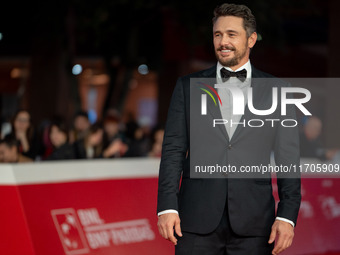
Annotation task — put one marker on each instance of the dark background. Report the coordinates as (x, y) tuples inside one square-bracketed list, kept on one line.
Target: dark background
[(298, 39)]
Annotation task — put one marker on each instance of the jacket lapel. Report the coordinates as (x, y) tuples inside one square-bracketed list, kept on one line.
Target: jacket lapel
[(247, 114), (216, 112), (212, 108)]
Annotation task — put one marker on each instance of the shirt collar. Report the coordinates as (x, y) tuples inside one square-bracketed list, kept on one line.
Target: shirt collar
[(246, 66)]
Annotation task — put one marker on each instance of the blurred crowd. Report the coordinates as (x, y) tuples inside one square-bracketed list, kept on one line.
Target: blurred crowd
[(311, 145), (111, 138), (54, 140)]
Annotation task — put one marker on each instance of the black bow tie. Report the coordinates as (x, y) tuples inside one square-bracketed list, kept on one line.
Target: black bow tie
[(226, 74)]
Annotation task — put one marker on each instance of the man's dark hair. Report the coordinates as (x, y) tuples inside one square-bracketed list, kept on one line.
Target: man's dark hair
[(241, 11)]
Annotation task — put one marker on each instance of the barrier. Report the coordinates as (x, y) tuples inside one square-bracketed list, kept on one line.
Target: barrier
[(80, 207), (109, 207)]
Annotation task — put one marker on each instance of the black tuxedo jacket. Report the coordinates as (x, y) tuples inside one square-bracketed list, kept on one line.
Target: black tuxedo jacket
[(250, 203)]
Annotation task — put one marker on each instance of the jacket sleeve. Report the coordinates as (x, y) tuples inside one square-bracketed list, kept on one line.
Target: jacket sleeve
[(175, 146), (287, 154)]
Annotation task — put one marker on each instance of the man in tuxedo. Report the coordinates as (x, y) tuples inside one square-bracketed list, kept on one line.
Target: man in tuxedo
[(232, 216)]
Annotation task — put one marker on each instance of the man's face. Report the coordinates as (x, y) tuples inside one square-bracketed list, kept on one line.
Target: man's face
[(232, 46), (8, 154)]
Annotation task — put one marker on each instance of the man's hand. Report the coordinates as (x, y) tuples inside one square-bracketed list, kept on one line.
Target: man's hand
[(285, 233), (166, 224)]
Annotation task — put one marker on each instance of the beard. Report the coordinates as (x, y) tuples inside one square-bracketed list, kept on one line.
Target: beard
[(238, 55)]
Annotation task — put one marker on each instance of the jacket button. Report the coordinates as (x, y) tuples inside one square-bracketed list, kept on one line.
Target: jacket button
[(229, 147)]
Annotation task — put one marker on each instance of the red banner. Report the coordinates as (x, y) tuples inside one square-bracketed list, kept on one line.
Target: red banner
[(109, 207)]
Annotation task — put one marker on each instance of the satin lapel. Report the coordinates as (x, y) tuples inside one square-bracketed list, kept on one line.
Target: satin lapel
[(247, 114), (213, 109), (215, 112)]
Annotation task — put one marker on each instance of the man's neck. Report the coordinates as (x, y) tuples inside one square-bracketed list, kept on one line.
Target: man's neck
[(234, 68), (242, 63)]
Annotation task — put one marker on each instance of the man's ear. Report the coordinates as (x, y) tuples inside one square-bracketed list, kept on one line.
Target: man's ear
[(252, 40)]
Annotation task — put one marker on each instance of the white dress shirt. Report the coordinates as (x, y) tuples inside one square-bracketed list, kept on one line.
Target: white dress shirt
[(227, 99)]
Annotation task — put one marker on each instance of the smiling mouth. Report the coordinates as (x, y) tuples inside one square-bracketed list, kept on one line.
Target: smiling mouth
[(226, 51)]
